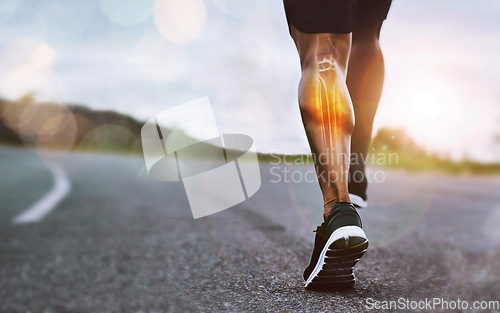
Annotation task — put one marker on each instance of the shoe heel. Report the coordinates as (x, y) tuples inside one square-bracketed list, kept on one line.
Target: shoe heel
[(344, 248)]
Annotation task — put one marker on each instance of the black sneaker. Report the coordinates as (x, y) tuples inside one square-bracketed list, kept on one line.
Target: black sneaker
[(340, 243)]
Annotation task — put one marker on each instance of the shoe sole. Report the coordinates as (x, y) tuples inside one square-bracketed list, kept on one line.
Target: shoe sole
[(342, 251)]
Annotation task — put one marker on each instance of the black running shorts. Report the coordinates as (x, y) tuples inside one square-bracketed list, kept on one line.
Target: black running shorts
[(335, 16)]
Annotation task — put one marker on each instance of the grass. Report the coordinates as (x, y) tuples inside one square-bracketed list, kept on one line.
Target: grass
[(415, 162)]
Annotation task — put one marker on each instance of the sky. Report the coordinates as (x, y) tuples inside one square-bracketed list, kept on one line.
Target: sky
[(142, 57)]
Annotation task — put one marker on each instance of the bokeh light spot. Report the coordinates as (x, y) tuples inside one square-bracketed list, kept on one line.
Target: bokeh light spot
[(58, 132), (181, 21), (25, 67)]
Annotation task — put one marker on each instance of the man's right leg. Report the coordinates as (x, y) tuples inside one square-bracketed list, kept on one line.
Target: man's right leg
[(326, 109), (365, 78), (327, 114)]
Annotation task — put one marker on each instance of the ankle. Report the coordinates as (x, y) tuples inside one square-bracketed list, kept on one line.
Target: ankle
[(328, 207), (331, 206)]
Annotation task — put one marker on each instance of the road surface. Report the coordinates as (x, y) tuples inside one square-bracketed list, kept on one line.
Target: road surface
[(117, 241)]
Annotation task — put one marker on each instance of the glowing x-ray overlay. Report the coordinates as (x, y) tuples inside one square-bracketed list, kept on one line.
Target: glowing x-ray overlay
[(218, 171)]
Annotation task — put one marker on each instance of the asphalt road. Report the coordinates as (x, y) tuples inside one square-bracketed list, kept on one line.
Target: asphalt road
[(120, 242)]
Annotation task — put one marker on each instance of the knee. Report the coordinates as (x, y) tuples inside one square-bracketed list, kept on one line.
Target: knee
[(319, 60), (331, 51)]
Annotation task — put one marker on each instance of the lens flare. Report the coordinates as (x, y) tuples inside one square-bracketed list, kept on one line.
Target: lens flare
[(180, 21), (27, 51), (83, 125), (25, 67), (11, 115), (34, 117), (25, 80), (57, 134)]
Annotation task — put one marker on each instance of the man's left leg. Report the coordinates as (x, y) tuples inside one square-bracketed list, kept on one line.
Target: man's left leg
[(365, 80)]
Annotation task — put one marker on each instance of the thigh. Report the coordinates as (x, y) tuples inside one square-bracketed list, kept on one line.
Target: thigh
[(320, 16), (370, 13)]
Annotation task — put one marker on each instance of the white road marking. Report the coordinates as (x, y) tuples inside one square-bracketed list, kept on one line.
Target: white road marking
[(39, 210)]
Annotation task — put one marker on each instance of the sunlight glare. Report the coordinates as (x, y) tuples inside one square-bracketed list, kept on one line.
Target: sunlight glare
[(435, 113)]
